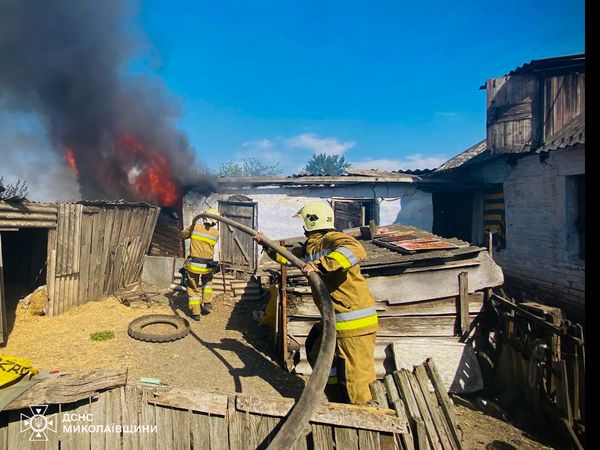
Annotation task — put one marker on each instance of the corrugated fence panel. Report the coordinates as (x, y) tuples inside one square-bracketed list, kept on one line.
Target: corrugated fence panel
[(27, 215)]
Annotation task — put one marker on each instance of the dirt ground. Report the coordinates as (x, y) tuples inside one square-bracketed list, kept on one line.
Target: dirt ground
[(227, 351)]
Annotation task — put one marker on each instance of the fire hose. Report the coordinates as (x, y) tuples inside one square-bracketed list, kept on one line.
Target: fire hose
[(296, 422)]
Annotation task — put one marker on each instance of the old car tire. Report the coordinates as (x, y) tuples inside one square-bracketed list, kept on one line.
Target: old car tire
[(136, 328)]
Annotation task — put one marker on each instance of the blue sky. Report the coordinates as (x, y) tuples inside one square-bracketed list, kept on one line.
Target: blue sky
[(388, 84)]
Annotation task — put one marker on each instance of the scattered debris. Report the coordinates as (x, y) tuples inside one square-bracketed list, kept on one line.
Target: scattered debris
[(136, 293), (148, 380), (36, 303)]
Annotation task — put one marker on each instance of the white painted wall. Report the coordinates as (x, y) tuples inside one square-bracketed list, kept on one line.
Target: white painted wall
[(537, 259), (276, 205)]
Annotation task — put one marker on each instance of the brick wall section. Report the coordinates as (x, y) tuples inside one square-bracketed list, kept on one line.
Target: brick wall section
[(535, 261)]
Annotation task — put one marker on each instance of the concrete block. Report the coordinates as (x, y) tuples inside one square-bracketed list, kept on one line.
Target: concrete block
[(158, 270)]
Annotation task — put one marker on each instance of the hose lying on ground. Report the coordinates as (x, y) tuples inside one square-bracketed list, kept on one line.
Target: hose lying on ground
[(296, 422)]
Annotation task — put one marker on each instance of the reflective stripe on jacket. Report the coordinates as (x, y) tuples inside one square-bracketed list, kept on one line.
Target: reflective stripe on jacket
[(195, 267)]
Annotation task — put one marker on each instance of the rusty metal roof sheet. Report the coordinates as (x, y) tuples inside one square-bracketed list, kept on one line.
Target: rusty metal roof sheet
[(380, 257)]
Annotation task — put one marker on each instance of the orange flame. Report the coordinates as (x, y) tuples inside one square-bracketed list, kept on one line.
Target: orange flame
[(154, 178), (70, 158)]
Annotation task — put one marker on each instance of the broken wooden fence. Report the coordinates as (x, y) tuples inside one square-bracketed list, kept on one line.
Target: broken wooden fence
[(142, 417), (541, 365), (422, 397)]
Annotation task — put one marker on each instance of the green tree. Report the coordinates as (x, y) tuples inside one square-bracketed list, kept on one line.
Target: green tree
[(249, 167), (323, 164)]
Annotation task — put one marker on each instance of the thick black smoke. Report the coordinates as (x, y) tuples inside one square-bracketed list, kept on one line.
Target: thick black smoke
[(67, 60)]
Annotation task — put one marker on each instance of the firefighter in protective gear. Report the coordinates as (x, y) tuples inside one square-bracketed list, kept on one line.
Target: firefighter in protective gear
[(336, 257), (199, 264)]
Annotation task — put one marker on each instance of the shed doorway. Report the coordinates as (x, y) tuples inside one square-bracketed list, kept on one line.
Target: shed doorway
[(22, 269)]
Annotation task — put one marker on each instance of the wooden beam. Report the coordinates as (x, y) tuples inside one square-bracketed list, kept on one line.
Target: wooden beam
[(407, 395), (193, 400), (352, 416), (443, 398), (463, 300), (70, 388)]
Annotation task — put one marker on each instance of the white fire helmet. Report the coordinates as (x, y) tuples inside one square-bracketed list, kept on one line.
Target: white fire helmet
[(316, 216)]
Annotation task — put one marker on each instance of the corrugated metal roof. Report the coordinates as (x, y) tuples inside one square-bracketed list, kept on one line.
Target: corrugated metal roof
[(318, 180), (558, 63), (555, 63), (571, 134), (119, 202), (464, 157), (383, 173)]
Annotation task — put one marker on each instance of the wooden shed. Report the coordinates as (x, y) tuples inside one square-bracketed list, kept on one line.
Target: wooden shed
[(80, 251)]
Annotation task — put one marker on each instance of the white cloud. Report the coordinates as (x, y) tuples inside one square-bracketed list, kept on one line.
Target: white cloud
[(411, 162), (293, 153), (316, 144), (261, 144)]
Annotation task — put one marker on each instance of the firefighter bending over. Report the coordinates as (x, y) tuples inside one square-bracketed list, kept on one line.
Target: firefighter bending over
[(335, 256), (200, 264)]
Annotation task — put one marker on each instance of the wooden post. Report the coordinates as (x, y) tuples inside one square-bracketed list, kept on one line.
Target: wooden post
[(373, 228), (3, 324), (173, 271), (489, 244), (283, 296), (463, 299)]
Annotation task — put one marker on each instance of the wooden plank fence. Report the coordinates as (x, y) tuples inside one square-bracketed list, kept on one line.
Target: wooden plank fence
[(141, 417), (95, 250)]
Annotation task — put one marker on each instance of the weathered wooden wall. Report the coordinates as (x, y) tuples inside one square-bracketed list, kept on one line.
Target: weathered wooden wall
[(95, 250), (564, 99), (198, 421), (166, 240), (511, 120), (526, 110)]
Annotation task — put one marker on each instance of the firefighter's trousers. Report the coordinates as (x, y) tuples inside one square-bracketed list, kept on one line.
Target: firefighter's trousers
[(199, 290), (353, 367)]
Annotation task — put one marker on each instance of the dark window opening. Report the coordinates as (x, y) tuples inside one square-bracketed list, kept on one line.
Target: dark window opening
[(353, 213)]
